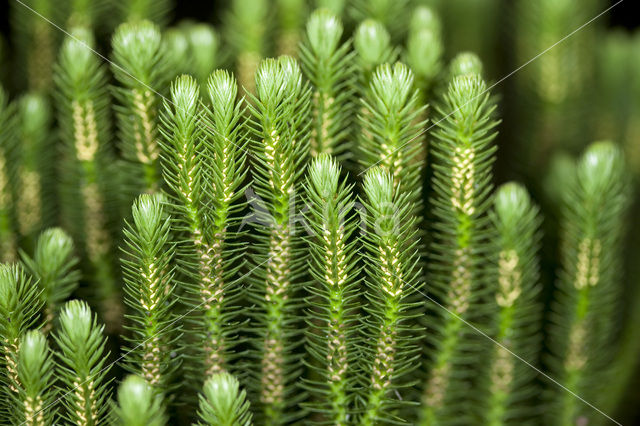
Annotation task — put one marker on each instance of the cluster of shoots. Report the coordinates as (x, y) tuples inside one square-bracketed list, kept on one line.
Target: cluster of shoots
[(289, 221)]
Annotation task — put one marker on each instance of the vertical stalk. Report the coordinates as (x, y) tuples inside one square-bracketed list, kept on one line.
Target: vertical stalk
[(82, 365), (331, 338), (19, 306), (140, 66), (581, 330), (393, 279), (516, 311), (53, 265), (83, 114), (149, 292), (464, 155), (35, 404), (329, 67), (280, 120)]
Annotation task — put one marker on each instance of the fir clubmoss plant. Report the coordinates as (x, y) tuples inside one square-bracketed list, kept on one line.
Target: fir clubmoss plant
[(515, 289), (247, 30), (562, 168), (240, 259), (140, 66), (138, 404), (204, 167), (329, 67), (584, 319), (424, 49), (632, 131), (389, 346), (226, 143), (223, 402), (150, 294), (35, 399), (332, 318), (280, 122), (85, 129), (35, 174), (391, 129), (465, 63), (54, 266), (464, 152), (82, 365), (372, 46), (19, 307), (8, 243)]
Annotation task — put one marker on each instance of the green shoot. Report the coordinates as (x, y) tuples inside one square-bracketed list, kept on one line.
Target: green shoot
[(35, 192), (83, 114), (223, 403), (329, 67), (464, 153), (516, 309), (247, 29), (54, 267), (140, 66), (280, 120), (8, 243), (82, 365), (19, 307), (393, 278), (584, 321), (149, 293), (138, 404), (36, 393), (331, 319), (391, 129)]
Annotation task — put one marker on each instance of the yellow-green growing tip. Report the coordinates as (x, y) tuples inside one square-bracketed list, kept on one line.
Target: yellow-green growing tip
[(601, 167), (511, 201), (138, 403), (33, 346), (324, 31), (378, 185), (148, 214), (138, 42), (371, 41), (53, 247), (278, 78), (185, 94), (202, 36), (465, 63), (425, 18), (324, 174), (222, 87), (76, 319), (392, 84), (77, 50)]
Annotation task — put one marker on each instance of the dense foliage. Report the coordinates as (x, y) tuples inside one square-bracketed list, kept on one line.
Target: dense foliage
[(301, 215)]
